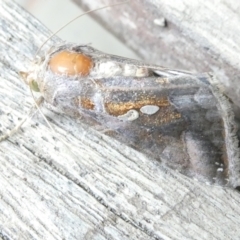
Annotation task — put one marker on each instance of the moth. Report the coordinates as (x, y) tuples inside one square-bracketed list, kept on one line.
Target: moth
[(180, 119)]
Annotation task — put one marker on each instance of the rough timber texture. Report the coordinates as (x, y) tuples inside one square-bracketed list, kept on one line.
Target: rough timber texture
[(79, 184), (203, 36)]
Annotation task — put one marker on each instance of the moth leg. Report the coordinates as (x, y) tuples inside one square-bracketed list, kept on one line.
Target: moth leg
[(33, 110)]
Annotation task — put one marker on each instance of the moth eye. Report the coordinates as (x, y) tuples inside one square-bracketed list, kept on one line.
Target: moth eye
[(70, 63), (34, 86), (32, 83)]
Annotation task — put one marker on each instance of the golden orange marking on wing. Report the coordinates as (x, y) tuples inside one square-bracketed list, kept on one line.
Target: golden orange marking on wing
[(165, 115), (120, 108), (70, 63), (169, 115), (84, 103)]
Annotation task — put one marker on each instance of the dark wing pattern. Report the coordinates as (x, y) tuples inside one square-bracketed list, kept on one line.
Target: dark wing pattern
[(177, 118)]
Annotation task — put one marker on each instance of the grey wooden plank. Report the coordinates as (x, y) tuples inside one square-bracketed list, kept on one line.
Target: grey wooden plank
[(76, 183)]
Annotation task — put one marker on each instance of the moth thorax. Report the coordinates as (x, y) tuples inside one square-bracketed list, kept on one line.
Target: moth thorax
[(70, 63)]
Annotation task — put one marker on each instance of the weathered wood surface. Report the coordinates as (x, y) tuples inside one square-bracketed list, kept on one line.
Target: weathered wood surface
[(76, 183), (203, 36)]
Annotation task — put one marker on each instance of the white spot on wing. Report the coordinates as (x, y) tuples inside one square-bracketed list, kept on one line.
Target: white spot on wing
[(142, 72), (131, 115), (149, 109), (129, 70), (107, 69)]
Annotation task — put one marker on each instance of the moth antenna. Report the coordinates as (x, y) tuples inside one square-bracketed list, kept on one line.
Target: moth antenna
[(51, 36), (38, 109), (34, 109), (30, 114), (81, 15)]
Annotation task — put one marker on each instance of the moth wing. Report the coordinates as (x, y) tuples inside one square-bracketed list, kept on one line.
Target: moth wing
[(175, 117)]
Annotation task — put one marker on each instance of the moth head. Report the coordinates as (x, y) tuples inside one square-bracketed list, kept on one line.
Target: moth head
[(65, 62), (30, 81), (30, 77)]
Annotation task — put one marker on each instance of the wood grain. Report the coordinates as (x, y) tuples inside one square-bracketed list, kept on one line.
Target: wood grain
[(76, 183)]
